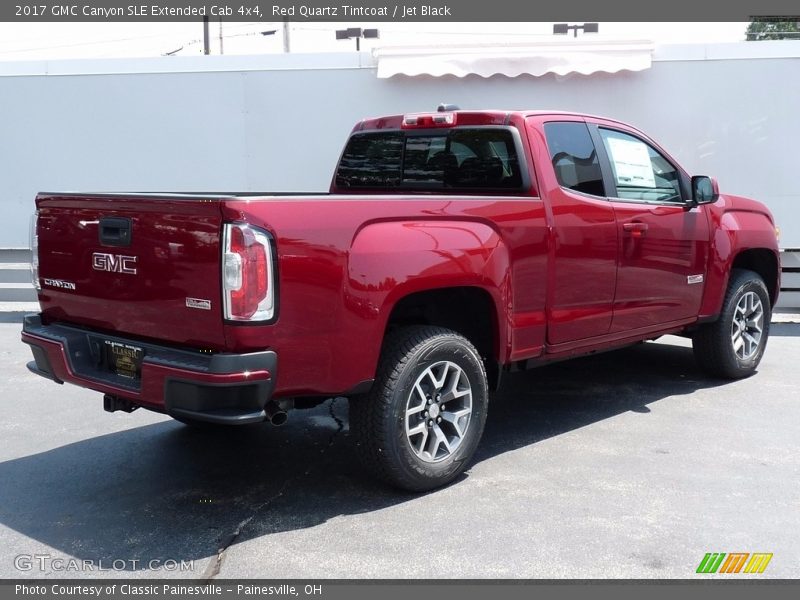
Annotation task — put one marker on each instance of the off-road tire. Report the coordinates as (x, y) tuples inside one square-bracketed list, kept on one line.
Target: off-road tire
[(713, 345), (378, 419)]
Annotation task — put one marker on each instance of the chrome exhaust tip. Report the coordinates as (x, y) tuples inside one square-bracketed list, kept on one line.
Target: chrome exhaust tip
[(276, 414)]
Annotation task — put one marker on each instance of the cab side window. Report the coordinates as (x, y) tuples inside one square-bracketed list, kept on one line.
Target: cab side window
[(574, 157), (640, 172)]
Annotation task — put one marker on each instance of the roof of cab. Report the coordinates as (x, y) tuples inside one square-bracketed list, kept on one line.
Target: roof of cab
[(471, 117)]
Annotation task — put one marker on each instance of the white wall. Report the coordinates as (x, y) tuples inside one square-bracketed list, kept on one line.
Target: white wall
[(277, 123)]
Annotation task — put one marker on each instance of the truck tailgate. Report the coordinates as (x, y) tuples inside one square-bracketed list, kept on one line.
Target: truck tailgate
[(143, 265)]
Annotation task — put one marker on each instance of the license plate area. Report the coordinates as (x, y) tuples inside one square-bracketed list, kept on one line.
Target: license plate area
[(124, 360)]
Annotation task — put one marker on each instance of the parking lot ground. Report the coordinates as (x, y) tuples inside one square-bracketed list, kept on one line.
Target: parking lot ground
[(629, 464)]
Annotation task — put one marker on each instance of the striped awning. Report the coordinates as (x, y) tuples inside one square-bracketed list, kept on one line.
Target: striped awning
[(510, 60)]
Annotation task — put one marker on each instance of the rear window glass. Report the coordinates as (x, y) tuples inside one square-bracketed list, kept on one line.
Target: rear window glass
[(456, 158)]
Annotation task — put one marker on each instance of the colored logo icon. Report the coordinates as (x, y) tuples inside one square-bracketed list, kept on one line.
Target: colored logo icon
[(734, 562)]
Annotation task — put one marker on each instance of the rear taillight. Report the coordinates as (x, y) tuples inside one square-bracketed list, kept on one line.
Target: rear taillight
[(34, 244), (248, 287)]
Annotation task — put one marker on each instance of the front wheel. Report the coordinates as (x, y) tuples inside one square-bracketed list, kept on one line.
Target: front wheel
[(732, 346), (420, 424)]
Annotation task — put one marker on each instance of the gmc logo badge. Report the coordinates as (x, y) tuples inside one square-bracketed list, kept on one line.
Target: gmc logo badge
[(114, 263)]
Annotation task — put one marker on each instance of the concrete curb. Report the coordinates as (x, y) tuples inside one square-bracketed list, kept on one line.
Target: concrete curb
[(786, 318), (13, 312)]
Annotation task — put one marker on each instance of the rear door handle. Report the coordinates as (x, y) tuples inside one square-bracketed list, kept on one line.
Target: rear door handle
[(635, 228)]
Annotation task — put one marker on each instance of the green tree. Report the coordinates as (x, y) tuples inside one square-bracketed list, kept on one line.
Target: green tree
[(769, 29)]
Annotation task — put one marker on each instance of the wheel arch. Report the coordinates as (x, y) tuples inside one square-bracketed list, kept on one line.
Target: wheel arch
[(765, 263), (468, 310), (443, 272)]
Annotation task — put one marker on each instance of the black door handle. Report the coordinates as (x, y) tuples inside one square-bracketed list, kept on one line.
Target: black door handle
[(115, 231)]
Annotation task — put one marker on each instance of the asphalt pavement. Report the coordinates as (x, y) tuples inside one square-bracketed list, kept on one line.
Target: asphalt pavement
[(629, 464)]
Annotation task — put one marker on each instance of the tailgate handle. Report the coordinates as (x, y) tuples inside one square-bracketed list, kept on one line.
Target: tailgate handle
[(115, 231)]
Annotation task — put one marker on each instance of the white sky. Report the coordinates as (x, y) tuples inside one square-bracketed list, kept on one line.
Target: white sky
[(53, 41)]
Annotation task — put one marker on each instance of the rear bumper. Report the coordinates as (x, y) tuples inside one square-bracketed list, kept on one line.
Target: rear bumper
[(217, 388)]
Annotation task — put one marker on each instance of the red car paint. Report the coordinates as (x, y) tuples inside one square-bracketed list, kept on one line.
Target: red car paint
[(564, 273)]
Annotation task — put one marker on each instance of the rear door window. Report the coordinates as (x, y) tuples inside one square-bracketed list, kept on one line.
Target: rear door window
[(574, 157)]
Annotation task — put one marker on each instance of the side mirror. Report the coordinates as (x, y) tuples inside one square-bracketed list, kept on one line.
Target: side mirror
[(705, 190)]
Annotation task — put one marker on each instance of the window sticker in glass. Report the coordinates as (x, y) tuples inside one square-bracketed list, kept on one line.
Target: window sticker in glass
[(640, 172), (632, 162)]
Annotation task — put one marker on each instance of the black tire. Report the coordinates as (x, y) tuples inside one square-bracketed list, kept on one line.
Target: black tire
[(713, 344), (378, 420)]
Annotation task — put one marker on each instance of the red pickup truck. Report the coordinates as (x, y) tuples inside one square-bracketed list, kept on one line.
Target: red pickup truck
[(453, 246)]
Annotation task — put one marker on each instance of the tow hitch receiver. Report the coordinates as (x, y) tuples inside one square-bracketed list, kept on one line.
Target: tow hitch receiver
[(114, 403)]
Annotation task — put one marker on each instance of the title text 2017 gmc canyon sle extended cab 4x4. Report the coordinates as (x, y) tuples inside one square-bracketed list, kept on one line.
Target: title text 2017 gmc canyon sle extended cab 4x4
[(452, 246)]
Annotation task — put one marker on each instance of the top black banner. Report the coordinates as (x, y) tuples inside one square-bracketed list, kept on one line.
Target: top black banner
[(387, 10)]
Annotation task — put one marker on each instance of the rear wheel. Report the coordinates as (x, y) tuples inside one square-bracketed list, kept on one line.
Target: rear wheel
[(420, 424), (732, 346)]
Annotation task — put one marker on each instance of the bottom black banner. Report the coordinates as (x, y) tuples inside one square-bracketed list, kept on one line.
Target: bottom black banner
[(391, 590)]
